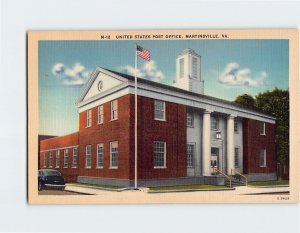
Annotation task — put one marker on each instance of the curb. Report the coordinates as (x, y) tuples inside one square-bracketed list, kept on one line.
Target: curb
[(269, 186), (188, 190), (266, 193), (98, 188)]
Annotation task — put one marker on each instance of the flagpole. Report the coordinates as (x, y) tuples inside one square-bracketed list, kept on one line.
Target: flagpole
[(135, 120)]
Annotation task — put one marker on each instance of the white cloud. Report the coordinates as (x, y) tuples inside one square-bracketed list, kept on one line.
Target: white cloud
[(148, 71), (76, 75), (233, 75)]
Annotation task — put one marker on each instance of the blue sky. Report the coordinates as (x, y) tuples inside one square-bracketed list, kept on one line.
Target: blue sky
[(229, 68)]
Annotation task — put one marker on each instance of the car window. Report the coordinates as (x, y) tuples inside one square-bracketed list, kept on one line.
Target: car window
[(40, 173), (52, 173)]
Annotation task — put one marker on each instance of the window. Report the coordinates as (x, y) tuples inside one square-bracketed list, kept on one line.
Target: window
[(100, 114), (114, 110), (236, 126), (236, 157), (190, 118), (51, 159), (159, 151), (262, 128), (45, 159), (100, 155), (88, 156), (57, 159), (114, 154), (194, 67), (181, 68), (159, 110), (214, 123), (65, 158), (262, 158), (75, 157), (88, 118), (190, 155)]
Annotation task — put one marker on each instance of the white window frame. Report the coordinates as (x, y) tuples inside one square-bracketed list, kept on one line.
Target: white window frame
[(163, 110), (264, 128), (88, 156), (194, 67), (114, 166), (75, 157), (236, 125), (57, 159), (66, 158), (45, 159), (236, 157), (100, 114), (164, 154), (181, 68), (100, 153), (192, 163), (114, 110), (89, 118), (264, 157), (217, 123), (190, 118), (50, 159)]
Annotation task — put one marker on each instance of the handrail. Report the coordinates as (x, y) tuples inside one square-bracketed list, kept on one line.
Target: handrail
[(246, 179), (226, 176)]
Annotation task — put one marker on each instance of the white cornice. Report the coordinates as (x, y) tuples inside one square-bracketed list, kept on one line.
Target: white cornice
[(155, 92), (59, 148)]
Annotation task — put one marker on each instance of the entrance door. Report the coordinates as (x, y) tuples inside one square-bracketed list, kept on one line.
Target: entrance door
[(214, 160)]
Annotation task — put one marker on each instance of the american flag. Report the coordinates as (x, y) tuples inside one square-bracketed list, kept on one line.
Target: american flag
[(143, 53)]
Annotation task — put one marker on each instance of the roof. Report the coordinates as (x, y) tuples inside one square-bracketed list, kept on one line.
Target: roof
[(179, 90)]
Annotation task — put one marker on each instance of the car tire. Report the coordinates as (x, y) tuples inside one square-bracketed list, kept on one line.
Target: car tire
[(40, 186)]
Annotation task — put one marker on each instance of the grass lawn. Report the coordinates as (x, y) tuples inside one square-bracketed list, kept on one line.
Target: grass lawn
[(269, 183), (98, 186), (187, 187)]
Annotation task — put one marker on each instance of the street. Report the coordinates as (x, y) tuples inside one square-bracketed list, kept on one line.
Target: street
[(58, 192)]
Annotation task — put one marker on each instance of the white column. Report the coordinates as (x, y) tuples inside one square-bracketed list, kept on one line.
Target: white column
[(230, 144), (206, 149)]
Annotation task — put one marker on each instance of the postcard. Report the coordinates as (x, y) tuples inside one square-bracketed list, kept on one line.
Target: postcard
[(163, 116)]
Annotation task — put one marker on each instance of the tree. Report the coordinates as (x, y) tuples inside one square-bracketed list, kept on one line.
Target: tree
[(275, 103), (246, 101)]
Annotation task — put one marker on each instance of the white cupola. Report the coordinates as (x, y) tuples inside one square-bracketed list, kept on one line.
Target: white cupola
[(188, 71)]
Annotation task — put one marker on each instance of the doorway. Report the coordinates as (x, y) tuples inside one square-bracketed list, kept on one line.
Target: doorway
[(214, 160)]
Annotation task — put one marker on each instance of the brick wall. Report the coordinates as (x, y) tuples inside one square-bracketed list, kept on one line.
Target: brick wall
[(108, 131), (55, 144), (172, 131), (253, 142)]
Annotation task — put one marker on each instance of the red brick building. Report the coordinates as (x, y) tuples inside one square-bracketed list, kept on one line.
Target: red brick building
[(183, 135)]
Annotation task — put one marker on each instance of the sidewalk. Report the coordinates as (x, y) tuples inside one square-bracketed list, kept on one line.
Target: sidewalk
[(240, 190), (251, 190)]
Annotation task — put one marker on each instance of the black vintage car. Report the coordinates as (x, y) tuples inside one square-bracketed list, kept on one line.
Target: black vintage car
[(50, 178)]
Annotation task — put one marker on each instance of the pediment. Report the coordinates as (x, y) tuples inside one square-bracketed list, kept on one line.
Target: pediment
[(100, 82)]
